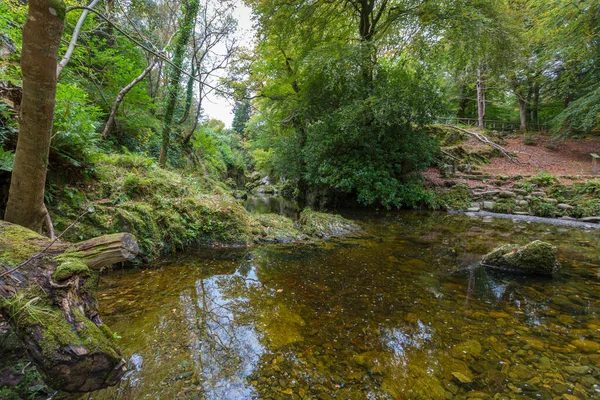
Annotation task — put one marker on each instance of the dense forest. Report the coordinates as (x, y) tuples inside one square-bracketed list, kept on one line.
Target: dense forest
[(336, 104), (331, 97)]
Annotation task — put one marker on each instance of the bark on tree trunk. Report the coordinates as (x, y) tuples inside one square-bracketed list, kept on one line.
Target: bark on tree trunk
[(51, 305), (480, 99), (536, 103), (522, 113), (464, 102), (41, 39)]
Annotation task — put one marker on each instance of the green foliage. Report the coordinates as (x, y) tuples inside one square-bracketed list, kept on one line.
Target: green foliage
[(456, 198), (241, 115), (8, 124), (13, 15), (542, 209), (581, 117), (369, 145), (544, 178), (74, 138), (221, 150), (7, 159)]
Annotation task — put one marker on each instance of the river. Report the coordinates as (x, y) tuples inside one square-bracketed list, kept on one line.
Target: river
[(399, 310)]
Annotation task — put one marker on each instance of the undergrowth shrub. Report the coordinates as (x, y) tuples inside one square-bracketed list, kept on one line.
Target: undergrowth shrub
[(74, 137)]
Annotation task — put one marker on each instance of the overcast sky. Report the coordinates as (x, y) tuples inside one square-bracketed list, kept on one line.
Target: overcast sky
[(216, 106)]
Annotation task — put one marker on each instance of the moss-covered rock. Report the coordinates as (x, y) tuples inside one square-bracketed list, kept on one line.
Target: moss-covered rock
[(324, 225), (535, 258), (274, 228)]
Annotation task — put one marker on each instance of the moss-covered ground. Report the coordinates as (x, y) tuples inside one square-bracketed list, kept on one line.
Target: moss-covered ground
[(168, 210)]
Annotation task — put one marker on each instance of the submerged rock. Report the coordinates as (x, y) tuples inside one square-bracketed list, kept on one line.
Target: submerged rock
[(535, 258), (324, 225)]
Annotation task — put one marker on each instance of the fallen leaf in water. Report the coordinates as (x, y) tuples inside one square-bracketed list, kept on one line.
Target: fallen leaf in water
[(279, 290)]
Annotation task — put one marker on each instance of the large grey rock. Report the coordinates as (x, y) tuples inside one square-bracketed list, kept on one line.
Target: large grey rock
[(488, 205), (535, 258), (507, 194), (564, 206)]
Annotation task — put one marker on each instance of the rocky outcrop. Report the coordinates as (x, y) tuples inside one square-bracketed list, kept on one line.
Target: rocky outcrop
[(535, 258)]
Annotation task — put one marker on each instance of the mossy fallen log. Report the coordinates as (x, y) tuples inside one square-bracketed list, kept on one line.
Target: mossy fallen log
[(51, 305)]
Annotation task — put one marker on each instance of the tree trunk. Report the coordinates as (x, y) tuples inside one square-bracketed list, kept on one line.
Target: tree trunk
[(50, 303), (536, 103), (522, 112), (480, 99), (185, 32), (41, 39), (121, 96), (463, 103)]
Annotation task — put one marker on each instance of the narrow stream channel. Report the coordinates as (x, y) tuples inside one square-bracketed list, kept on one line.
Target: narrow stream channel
[(400, 310)]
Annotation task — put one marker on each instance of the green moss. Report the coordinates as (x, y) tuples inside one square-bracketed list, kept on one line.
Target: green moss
[(30, 309), (537, 258), (324, 225), (18, 243), (455, 198), (274, 228), (69, 268), (98, 339), (164, 210), (505, 206), (447, 135), (60, 8)]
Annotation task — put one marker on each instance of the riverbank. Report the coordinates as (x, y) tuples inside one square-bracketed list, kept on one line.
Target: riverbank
[(542, 177), (169, 211)]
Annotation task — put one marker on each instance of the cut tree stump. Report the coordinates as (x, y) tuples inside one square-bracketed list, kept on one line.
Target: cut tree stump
[(50, 303)]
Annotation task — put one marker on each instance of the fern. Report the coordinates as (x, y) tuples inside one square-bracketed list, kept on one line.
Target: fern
[(7, 159)]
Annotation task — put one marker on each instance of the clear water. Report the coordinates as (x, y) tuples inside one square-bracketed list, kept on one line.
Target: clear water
[(400, 310)]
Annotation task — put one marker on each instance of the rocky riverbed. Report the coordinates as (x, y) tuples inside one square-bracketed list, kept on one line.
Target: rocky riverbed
[(402, 310)]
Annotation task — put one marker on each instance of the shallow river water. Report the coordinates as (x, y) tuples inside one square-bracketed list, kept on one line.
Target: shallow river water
[(399, 310)]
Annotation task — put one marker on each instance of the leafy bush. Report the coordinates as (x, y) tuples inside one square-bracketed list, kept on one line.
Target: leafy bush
[(7, 159), (544, 178), (74, 139), (368, 141), (8, 123)]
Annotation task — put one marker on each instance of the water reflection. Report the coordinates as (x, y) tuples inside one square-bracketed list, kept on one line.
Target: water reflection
[(407, 313), (272, 204)]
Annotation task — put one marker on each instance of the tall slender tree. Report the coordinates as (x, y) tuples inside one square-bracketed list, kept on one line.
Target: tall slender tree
[(185, 31), (41, 39)]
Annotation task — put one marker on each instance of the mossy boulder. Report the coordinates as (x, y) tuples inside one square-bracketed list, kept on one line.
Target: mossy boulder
[(535, 258), (324, 225), (274, 228)]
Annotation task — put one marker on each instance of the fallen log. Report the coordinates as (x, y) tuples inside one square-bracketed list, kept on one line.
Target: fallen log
[(47, 294), (485, 140)]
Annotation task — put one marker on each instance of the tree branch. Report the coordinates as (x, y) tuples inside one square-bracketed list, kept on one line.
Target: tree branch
[(74, 38)]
